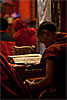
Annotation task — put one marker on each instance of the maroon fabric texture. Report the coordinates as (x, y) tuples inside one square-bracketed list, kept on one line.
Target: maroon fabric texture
[(11, 83), (56, 47), (7, 44), (24, 36), (18, 24), (7, 48), (57, 53)]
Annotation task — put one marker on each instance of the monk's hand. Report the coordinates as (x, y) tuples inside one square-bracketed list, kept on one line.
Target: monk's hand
[(30, 82), (34, 89)]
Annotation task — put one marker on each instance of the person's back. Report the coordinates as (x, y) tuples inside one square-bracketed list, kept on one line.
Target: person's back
[(24, 36), (7, 42)]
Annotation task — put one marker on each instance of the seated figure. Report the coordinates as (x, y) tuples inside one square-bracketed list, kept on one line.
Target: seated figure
[(54, 61), (24, 36), (7, 42)]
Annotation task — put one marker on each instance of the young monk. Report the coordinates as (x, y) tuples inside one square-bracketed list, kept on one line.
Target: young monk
[(54, 60)]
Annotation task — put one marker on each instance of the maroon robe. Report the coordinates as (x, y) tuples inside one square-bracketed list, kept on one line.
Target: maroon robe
[(24, 36), (12, 86), (57, 53), (7, 44)]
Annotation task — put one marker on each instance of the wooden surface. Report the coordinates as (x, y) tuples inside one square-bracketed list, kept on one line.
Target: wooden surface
[(29, 72)]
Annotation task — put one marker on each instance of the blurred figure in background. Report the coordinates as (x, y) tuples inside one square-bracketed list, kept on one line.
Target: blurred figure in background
[(6, 40), (24, 36)]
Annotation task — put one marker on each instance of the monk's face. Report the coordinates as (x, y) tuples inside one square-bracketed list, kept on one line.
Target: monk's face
[(45, 37)]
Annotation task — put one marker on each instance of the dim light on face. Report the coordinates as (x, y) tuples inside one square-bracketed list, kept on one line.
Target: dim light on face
[(45, 37)]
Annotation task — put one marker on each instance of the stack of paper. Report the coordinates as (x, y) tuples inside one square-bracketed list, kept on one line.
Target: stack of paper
[(27, 58)]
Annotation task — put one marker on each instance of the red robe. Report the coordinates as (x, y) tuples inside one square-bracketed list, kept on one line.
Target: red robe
[(12, 86), (57, 53), (7, 44), (24, 36)]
